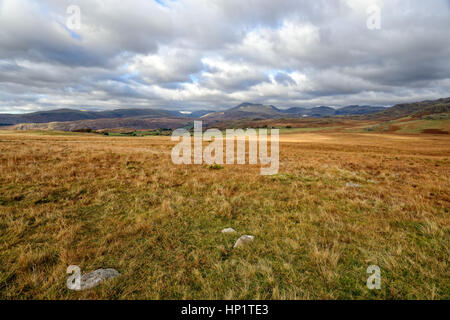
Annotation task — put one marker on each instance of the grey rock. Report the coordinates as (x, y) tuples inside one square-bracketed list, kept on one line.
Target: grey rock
[(228, 230), (243, 240), (90, 280), (353, 185)]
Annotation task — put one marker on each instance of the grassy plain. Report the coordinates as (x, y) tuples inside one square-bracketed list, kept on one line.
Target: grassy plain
[(98, 201)]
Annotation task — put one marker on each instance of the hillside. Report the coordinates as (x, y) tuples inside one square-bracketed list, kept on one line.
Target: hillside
[(195, 114), (260, 111), (357, 110), (416, 109), (64, 115), (297, 112), (244, 111), (100, 124)]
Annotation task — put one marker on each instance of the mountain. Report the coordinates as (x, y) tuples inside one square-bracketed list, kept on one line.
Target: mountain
[(322, 111), (245, 111), (130, 113), (260, 111), (63, 115), (196, 114), (251, 108), (105, 123), (298, 112), (357, 110)]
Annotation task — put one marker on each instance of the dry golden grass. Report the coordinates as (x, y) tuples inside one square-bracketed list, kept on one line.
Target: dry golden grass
[(99, 201)]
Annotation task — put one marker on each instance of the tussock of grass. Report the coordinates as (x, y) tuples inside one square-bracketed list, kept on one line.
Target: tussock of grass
[(104, 202), (216, 167)]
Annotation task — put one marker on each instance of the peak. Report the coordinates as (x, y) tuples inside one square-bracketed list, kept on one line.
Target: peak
[(248, 104)]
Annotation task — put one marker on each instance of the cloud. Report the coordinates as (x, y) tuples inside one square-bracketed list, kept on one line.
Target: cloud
[(196, 54)]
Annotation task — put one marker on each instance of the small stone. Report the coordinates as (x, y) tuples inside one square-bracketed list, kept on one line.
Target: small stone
[(353, 185), (93, 279), (228, 230), (243, 240)]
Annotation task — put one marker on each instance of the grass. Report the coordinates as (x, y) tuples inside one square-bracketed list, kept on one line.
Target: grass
[(418, 126), (413, 126), (99, 202), (42, 133), (165, 132), (299, 130), (216, 167)]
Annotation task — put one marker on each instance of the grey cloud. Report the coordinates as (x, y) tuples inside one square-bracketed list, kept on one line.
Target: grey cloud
[(196, 54), (284, 78)]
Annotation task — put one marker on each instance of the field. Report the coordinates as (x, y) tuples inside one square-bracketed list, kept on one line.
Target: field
[(104, 201)]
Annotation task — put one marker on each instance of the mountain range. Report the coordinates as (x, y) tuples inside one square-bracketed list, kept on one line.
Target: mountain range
[(141, 119), (415, 109), (244, 110), (259, 111)]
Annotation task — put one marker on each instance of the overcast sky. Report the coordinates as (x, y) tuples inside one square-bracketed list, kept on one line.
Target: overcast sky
[(213, 54)]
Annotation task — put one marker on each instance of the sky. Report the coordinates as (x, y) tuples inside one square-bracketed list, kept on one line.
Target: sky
[(215, 54)]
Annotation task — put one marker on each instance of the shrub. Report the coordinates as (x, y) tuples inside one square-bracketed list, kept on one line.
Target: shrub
[(216, 167), (83, 130)]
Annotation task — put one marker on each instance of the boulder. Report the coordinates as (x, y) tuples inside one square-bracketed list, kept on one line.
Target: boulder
[(352, 185), (90, 280), (228, 230), (243, 240)]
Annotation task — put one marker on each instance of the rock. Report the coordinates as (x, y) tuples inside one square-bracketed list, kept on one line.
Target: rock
[(228, 230), (92, 279), (243, 240), (353, 185)]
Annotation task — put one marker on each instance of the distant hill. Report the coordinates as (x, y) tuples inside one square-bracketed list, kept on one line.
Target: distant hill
[(357, 110), (101, 124), (415, 109), (260, 111), (298, 112), (322, 111), (245, 111), (63, 115), (196, 114)]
